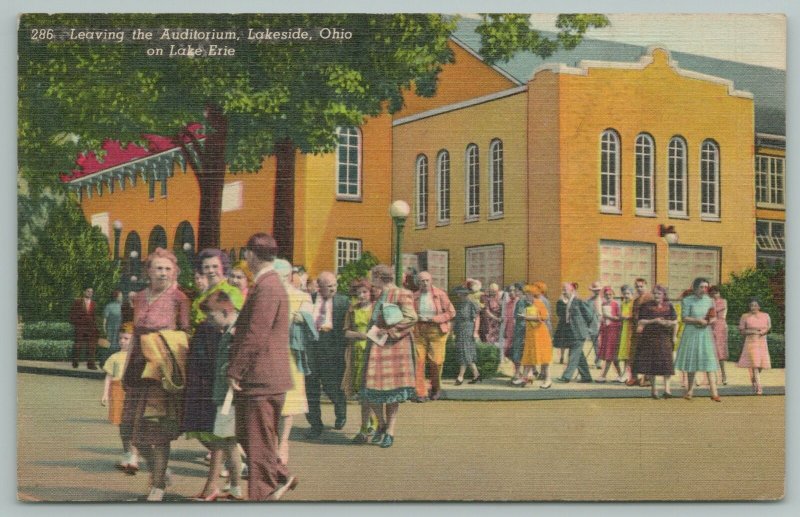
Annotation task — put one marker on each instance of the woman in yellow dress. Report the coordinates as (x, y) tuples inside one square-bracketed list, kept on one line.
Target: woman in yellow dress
[(300, 316), (625, 314), (538, 349)]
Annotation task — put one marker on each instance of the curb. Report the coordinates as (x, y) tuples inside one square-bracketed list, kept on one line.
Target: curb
[(481, 395)]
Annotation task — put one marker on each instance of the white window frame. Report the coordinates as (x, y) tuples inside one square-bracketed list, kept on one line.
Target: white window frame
[(443, 182), (770, 241), (421, 191), (348, 133), (232, 196), (676, 177), (482, 275), (347, 250), (102, 221), (472, 183), (709, 163), (644, 164), (684, 265), (496, 179), (610, 202), (770, 181), (620, 262)]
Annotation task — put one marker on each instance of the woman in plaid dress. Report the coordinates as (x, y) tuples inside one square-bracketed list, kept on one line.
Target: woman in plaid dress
[(389, 373)]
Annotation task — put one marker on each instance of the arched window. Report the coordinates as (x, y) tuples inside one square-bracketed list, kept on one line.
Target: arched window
[(496, 194), (645, 171), (348, 163), (609, 172), (472, 175), (709, 179), (676, 176), (184, 234), (158, 239), (133, 254), (443, 187), (421, 191)]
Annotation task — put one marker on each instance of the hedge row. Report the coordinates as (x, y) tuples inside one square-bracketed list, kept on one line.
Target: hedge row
[(487, 363), (48, 330), (44, 350)]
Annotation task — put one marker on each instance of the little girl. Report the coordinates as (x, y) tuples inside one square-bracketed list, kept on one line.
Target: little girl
[(114, 397)]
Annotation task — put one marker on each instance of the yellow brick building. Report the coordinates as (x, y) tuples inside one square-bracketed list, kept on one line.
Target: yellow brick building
[(595, 160)]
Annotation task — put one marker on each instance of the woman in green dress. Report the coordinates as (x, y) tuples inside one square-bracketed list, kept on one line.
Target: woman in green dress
[(697, 353), (356, 324)]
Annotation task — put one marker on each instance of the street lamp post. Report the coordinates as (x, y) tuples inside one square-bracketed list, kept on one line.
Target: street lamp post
[(399, 212), (117, 234)]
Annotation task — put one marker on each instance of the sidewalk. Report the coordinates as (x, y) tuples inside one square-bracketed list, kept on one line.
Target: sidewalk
[(498, 388)]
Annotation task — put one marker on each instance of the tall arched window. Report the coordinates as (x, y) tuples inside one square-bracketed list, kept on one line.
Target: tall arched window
[(158, 239), (422, 191), (676, 176), (133, 254), (443, 187), (348, 163), (609, 172), (472, 175), (645, 171), (184, 234), (496, 194), (709, 179)]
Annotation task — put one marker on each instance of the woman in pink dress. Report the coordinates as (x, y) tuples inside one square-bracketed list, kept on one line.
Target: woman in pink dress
[(153, 413), (719, 329), (610, 329), (755, 326)]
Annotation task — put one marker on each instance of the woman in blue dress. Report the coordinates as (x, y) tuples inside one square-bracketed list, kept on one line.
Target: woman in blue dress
[(697, 353), (466, 325)]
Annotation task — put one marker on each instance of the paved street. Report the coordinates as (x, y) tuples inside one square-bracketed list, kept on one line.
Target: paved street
[(584, 449)]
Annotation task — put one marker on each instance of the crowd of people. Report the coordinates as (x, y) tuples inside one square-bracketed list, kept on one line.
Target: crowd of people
[(259, 342), (643, 336)]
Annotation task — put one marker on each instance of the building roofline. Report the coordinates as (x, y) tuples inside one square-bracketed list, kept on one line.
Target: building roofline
[(644, 61), (461, 105), (474, 54)]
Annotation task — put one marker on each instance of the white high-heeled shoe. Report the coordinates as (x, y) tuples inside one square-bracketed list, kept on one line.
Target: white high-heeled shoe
[(155, 495)]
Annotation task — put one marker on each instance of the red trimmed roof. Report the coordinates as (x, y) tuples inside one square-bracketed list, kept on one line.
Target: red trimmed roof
[(118, 154)]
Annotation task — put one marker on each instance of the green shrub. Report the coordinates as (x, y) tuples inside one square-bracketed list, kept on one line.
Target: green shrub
[(763, 282), (776, 344), (354, 270), (44, 350), (48, 330), (487, 363)]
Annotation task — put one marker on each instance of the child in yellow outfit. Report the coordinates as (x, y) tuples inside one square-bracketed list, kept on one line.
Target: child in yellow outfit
[(114, 398)]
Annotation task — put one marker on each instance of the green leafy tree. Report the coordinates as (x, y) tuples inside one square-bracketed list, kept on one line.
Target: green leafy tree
[(66, 255), (354, 270), (272, 98)]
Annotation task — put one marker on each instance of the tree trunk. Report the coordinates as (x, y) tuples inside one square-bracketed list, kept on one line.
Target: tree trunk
[(211, 178), (283, 212)]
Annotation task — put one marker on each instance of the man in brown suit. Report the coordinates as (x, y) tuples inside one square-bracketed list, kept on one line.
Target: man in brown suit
[(259, 372), (81, 316)]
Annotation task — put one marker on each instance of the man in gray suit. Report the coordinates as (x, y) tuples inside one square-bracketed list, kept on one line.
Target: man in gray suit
[(326, 355), (574, 319)]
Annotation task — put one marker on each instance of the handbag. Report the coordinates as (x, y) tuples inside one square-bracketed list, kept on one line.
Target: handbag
[(391, 313)]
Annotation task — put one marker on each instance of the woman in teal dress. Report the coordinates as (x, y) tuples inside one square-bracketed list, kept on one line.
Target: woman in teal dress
[(697, 353)]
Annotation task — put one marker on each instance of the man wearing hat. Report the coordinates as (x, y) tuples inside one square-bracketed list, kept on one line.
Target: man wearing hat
[(595, 303)]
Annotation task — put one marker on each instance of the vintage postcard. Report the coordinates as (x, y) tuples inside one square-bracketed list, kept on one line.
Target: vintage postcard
[(401, 257)]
